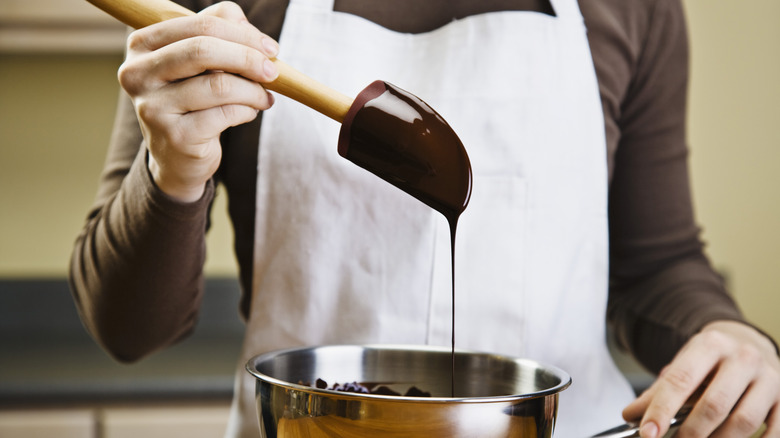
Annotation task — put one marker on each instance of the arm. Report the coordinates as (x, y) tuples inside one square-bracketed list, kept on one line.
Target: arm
[(136, 267), (659, 275), (668, 305)]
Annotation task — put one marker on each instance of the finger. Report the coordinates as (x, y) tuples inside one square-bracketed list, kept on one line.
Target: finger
[(226, 9), (755, 407), (728, 385), (248, 34), (213, 90), (187, 133), (225, 21), (176, 123), (191, 57), (679, 381), (637, 408), (178, 114), (211, 122), (773, 423), (743, 421)]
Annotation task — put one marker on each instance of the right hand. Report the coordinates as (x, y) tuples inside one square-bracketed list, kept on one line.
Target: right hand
[(190, 78)]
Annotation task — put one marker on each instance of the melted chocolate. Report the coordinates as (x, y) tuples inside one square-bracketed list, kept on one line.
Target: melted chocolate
[(398, 137), (366, 388), (401, 139)]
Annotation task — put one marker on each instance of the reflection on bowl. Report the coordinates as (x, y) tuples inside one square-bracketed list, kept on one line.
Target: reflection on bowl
[(495, 396)]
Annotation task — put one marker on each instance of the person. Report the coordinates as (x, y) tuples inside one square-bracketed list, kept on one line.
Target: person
[(580, 211)]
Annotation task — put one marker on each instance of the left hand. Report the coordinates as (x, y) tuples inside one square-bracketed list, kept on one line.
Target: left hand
[(742, 373)]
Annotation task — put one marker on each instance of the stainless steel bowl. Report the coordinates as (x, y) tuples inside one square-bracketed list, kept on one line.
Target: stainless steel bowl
[(495, 396)]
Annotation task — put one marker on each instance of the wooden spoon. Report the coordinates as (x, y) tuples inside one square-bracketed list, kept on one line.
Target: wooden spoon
[(291, 82), (385, 130)]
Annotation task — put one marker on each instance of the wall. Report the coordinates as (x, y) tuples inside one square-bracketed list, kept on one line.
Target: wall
[(56, 112), (735, 146)]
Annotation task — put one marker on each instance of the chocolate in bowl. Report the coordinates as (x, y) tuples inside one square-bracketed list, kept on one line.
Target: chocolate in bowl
[(495, 396)]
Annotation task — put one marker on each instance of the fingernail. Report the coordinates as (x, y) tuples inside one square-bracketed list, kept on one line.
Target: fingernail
[(648, 430), (271, 47), (270, 69)]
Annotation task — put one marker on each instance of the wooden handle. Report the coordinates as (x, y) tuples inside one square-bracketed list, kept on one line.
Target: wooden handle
[(291, 82)]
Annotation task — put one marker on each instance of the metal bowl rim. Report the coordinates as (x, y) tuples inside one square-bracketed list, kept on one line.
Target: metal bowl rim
[(562, 375)]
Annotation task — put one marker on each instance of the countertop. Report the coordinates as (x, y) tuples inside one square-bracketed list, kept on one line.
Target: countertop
[(47, 358)]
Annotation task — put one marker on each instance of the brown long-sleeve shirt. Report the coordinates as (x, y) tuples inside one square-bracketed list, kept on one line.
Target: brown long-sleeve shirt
[(137, 266)]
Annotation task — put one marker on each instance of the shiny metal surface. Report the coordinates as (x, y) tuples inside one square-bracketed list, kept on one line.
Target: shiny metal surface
[(495, 396), (631, 429)]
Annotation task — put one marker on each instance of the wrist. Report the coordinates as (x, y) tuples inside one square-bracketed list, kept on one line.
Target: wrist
[(176, 189), (746, 332)]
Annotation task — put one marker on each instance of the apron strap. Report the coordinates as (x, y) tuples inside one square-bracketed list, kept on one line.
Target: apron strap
[(566, 9), (323, 5)]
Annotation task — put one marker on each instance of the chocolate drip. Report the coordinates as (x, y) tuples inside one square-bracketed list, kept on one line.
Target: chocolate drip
[(398, 137)]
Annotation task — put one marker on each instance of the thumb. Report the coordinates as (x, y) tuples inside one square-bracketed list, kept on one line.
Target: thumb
[(227, 10)]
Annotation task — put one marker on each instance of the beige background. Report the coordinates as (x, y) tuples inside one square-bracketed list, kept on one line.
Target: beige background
[(57, 99)]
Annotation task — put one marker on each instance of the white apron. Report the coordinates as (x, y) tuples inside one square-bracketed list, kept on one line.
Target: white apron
[(341, 256)]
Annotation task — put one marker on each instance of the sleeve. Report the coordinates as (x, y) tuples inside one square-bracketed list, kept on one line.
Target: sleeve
[(136, 266), (662, 286)]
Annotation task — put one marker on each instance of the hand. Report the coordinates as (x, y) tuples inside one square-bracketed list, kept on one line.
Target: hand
[(737, 370), (190, 78)]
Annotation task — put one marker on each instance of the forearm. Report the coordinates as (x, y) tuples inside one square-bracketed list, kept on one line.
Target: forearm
[(654, 316), (136, 267)]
